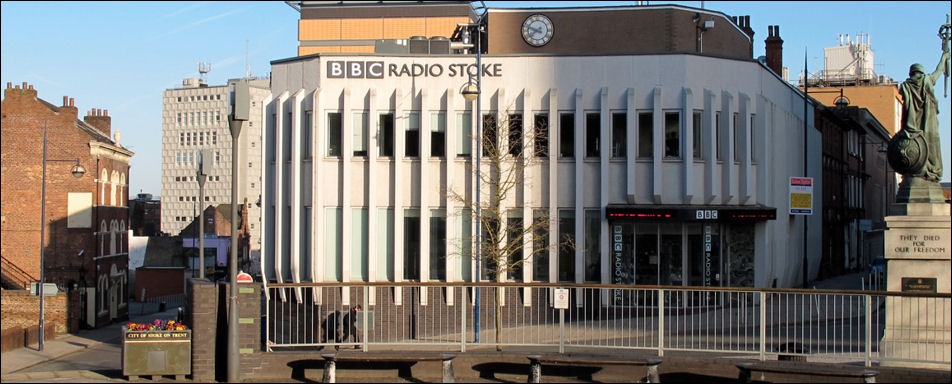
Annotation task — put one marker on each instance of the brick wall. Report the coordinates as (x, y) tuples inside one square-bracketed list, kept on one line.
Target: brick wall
[(207, 315), (159, 282), (20, 310)]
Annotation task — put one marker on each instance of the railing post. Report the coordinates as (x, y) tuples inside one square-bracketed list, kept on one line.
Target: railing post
[(366, 310), (561, 331), (462, 319), (763, 325), (869, 329), (661, 322)]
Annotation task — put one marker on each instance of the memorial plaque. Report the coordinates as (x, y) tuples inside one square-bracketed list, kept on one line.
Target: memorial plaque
[(919, 284)]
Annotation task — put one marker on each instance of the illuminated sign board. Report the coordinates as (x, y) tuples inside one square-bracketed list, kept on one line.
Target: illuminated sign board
[(700, 214)]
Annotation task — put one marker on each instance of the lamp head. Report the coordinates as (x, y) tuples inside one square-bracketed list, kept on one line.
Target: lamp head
[(78, 171), (470, 92)]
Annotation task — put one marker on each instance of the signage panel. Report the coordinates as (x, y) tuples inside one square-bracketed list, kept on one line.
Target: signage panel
[(801, 195)]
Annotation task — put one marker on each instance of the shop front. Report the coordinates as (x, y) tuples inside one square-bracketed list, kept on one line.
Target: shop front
[(701, 246)]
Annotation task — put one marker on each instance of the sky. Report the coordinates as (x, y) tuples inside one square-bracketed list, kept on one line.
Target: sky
[(121, 56)]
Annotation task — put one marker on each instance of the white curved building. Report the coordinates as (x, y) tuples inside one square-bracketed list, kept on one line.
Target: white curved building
[(666, 161)]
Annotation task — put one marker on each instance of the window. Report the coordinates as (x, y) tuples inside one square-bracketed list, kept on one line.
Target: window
[(464, 134), (566, 250), (182, 139), (306, 135), (437, 245), (201, 138), (385, 141), (178, 119), (645, 134), (717, 136), (359, 246), (754, 141), (514, 240), (619, 134), (540, 246), (332, 243), (188, 139), (333, 134), (217, 116), (737, 138), (214, 138), (411, 244), (672, 135), (541, 135), (567, 135), (438, 135), (515, 134), (593, 126), (412, 144), (593, 260), (490, 142), (385, 244), (360, 133), (698, 136)]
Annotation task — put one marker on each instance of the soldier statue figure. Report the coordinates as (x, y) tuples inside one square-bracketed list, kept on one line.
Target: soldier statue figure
[(915, 150)]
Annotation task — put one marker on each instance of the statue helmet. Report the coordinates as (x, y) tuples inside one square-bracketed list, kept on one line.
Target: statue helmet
[(916, 68)]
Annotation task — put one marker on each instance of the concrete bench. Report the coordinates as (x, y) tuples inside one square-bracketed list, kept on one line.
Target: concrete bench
[(408, 358), (536, 361), (804, 368)]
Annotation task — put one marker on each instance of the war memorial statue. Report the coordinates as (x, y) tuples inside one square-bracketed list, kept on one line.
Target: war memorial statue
[(917, 239), (915, 151)]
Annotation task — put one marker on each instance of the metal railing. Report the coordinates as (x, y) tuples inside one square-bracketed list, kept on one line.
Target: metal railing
[(859, 326)]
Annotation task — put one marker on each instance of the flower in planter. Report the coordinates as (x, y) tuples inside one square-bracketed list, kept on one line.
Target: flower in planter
[(157, 325)]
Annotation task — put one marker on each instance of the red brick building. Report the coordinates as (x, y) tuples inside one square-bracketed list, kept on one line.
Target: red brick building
[(86, 241)]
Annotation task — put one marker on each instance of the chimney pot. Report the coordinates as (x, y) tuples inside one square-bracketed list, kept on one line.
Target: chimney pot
[(65, 101), (776, 29), (71, 101), (24, 85), (9, 84), (105, 112)]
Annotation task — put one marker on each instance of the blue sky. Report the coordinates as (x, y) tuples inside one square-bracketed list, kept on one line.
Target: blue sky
[(121, 56)]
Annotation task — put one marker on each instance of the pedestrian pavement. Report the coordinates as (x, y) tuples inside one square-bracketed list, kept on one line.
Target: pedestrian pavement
[(22, 358), (16, 362)]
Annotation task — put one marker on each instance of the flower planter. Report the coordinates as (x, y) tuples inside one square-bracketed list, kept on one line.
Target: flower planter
[(156, 353)]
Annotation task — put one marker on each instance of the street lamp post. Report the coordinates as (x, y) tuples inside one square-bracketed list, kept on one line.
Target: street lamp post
[(239, 114), (201, 177), (78, 171), (470, 94)]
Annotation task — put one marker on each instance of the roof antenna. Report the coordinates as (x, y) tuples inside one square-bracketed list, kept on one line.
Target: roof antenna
[(247, 66), (203, 68)]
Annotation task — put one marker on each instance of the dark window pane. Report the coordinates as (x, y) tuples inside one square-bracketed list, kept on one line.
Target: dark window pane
[(489, 135), (386, 134), (333, 134), (593, 126), (515, 135), (540, 240), (437, 248), (566, 245), (541, 135), (672, 135), (567, 135), (645, 134), (619, 134), (514, 240), (698, 137), (411, 248)]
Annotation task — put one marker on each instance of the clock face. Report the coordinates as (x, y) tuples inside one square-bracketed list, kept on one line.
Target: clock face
[(537, 30)]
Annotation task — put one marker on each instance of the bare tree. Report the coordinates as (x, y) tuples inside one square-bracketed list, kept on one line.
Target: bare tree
[(508, 150)]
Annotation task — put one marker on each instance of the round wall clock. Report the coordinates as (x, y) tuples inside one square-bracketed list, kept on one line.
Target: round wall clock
[(537, 30)]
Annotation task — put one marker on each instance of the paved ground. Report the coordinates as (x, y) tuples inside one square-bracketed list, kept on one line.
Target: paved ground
[(55, 364)]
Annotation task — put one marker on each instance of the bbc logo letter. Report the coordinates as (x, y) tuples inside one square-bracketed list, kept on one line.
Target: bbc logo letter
[(355, 69)]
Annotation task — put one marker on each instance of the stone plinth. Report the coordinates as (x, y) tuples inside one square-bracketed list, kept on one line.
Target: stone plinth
[(918, 261)]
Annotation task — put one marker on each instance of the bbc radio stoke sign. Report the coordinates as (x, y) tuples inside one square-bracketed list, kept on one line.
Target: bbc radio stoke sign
[(378, 70)]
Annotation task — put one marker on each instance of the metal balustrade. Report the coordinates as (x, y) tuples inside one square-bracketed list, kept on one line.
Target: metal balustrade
[(860, 326)]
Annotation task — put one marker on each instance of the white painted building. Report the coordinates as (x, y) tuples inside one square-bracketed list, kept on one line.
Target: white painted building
[(195, 121), (360, 164)]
